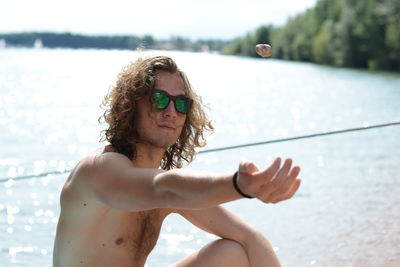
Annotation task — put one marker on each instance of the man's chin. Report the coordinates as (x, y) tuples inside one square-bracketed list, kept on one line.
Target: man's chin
[(158, 144)]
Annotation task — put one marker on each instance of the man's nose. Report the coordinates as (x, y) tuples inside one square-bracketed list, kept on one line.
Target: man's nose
[(170, 109)]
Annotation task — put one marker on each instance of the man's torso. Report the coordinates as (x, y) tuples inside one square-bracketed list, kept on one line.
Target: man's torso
[(90, 233)]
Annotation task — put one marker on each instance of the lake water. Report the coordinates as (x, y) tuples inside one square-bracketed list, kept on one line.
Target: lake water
[(346, 212)]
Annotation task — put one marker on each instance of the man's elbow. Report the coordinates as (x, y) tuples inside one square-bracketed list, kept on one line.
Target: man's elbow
[(162, 193)]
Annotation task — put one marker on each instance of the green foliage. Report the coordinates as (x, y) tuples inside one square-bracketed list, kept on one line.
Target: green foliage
[(322, 46), (246, 46), (179, 43), (263, 35), (343, 33)]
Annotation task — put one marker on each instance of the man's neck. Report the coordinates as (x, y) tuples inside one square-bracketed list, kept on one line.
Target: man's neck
[(148, 156)]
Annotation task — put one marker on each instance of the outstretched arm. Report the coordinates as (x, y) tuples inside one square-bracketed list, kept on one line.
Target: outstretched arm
[(112, 179)]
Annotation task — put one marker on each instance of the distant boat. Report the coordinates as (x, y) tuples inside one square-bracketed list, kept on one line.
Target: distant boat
[(3, 43), (38, 44)]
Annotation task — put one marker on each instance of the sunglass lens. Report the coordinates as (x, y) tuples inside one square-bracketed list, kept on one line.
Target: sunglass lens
[(182, 105), (160, 100)]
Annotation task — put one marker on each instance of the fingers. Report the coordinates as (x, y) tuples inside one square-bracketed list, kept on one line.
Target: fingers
[(250, 179), (282, 173), (273, 168), (274, 184), (283, 184), (289, 193)]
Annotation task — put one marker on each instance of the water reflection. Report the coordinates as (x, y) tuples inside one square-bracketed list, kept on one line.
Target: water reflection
[(347, 205)]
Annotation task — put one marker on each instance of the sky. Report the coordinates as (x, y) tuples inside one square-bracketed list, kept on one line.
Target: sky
[(202, 19)]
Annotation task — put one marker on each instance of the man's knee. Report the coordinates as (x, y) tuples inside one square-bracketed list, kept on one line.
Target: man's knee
[(229, 247), (230, 252), (222, 252)]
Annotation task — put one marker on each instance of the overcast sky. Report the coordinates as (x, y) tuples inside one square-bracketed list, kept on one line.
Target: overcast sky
[(215, 19)]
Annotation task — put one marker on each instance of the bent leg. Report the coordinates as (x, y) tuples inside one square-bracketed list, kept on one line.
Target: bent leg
[(220, 253)]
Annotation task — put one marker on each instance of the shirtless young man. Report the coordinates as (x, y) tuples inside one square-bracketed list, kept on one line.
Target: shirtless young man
[(114, 201)]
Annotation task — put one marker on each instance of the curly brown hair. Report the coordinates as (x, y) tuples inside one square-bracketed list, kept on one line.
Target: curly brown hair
[(136, 80)]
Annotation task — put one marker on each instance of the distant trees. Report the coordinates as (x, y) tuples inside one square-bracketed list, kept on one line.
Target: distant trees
[(53, 40), (69, 40), (344, 33), (244, 46)]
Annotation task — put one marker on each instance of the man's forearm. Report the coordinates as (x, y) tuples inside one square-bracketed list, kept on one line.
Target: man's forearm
[(260, 251), (186, 189)]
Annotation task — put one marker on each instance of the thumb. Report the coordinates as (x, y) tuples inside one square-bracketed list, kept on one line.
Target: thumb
[(247, 167)]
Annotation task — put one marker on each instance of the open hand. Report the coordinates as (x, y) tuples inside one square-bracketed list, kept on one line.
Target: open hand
[(271, 185)]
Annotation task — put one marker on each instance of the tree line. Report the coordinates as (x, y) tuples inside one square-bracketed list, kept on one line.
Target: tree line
[(70, 40), (343, 33)]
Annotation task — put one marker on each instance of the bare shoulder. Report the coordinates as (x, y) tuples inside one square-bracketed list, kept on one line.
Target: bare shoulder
[(94, 167), (98, 165), (110, 178), (102, 160)]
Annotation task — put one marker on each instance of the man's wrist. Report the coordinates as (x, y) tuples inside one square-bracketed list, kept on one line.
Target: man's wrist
[(236, 186)]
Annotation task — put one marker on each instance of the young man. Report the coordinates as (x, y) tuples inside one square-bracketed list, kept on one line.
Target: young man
[(115, 200)]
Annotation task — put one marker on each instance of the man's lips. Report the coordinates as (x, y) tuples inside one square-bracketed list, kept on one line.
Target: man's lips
[(167, 126)]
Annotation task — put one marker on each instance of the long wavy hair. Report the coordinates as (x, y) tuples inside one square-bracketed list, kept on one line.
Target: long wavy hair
[(119, 104)]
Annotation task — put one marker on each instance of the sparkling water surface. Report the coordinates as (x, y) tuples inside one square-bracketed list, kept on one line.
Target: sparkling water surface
[(346, 212)]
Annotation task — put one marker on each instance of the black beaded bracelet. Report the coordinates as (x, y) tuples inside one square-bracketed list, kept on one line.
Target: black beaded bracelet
[(235, 185)]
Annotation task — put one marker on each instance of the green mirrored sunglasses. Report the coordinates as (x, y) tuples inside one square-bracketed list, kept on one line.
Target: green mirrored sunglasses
[(160, 100)]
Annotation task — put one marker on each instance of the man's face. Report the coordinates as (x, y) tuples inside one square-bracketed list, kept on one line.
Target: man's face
[(161, 128)]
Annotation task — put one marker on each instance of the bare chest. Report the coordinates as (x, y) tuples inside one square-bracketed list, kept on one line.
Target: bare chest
[(112, 238), (133, 234)]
